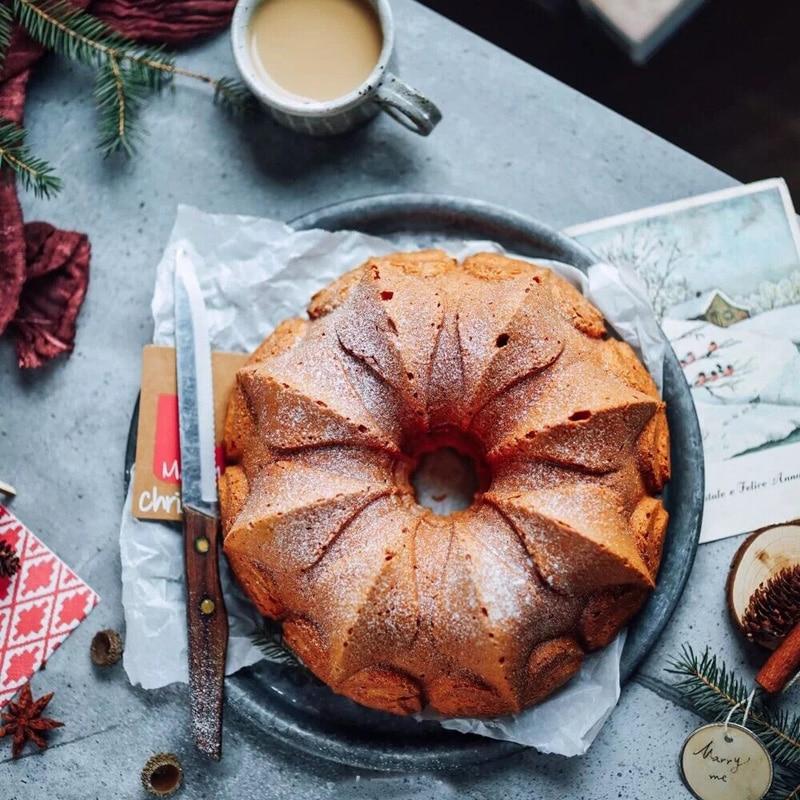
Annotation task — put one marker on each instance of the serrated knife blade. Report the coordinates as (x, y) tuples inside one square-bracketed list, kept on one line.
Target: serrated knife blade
[(207, 620)]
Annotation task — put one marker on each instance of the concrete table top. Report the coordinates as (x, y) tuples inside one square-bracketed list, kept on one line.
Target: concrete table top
[(510, 135)]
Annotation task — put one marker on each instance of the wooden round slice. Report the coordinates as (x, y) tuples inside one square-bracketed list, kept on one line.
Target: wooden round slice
[(761, 556)]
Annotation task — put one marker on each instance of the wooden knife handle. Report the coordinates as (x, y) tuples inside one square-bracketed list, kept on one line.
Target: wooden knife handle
[(208, 629)]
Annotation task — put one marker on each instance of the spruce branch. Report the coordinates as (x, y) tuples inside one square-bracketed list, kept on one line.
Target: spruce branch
[(126, 70), (271, 645), (6, 31), (234, 96), (119, 96), (785, 786), (33, 173), (712, 689)]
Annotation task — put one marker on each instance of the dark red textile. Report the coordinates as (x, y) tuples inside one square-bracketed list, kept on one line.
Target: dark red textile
[(164, 22), (57, 279), (44, 271), (12, 242)]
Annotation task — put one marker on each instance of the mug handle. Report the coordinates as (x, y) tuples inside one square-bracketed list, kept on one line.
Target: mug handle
[(407, 106)]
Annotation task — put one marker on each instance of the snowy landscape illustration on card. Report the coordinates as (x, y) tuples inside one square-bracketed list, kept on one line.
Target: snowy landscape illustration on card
[(723, 274)]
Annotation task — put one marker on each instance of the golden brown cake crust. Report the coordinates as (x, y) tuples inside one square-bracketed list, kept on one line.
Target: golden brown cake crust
[(488, 610)]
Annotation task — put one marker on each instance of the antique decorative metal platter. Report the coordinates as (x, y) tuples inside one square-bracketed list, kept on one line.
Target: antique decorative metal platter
[(286, 702)]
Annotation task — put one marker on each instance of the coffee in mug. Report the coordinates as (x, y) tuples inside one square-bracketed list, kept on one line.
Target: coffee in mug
[(316, 49), (323, 67)]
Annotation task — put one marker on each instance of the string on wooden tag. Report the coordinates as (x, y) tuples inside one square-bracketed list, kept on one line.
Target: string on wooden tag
[(749, 702)]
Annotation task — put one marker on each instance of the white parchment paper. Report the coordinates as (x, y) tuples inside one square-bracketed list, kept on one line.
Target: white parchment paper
[(254, 273)]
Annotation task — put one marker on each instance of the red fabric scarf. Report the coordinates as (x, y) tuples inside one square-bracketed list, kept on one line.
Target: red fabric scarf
[(44, 271)]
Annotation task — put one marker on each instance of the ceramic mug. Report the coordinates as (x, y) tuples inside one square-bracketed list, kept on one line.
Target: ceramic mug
[(381, 91)]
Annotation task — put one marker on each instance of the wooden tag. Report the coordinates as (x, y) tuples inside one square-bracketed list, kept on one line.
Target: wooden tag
[(720, 764), (157, 482)]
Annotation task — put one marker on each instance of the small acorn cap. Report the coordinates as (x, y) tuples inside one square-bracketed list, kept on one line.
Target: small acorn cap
[(106, 648), (162, 775)]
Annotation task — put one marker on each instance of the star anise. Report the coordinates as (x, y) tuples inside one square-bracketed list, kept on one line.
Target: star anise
[(9, 560), (23, 721)]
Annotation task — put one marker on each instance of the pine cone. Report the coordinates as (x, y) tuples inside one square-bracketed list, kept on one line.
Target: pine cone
[(774, 608), (9, 560)]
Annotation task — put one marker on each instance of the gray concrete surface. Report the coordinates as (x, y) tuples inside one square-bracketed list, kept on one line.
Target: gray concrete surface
[(510, 135)]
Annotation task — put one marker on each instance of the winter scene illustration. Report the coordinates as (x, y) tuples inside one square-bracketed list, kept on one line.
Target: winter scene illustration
[(723, 274)]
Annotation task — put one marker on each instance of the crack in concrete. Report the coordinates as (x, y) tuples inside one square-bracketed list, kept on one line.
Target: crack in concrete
[(58, 745)]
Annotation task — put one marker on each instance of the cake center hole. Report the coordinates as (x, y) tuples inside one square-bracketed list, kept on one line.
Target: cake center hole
[(445, 480)]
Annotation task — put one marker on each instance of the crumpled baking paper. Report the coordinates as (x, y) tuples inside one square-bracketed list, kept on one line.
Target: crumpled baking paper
[(254, 273)]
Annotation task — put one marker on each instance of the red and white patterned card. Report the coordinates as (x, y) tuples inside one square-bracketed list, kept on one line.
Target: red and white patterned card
[(39, 606)]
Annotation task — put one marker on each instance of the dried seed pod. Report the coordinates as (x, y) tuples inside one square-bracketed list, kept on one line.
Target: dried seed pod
[(22, 720), (106, 648), (162, 775)]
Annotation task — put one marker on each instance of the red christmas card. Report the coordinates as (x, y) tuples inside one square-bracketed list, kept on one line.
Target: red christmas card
[(40, 606)]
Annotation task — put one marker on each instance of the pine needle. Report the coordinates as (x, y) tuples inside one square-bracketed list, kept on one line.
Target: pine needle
[(785, 786), (233, 96), (33, 173), (119, 97), (712, 690), (6, 32)]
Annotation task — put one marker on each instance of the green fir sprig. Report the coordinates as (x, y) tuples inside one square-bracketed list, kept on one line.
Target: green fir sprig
[(126, 73), (271, 645), (712, 690), (119, 97), (233, 96), (6, 32), (785, 787), (33, 173)]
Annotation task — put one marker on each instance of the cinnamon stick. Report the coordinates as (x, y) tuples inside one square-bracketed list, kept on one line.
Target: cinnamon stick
[(782, 664)]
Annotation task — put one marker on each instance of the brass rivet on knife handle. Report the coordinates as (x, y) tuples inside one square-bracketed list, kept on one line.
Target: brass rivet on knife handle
[(207, 606), (208, 631), (201, 544)]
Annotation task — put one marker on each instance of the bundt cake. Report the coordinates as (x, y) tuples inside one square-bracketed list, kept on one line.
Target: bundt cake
[(487, 610)]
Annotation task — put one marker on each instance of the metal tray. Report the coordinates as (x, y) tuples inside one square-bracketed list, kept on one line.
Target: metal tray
[(289, 704)]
